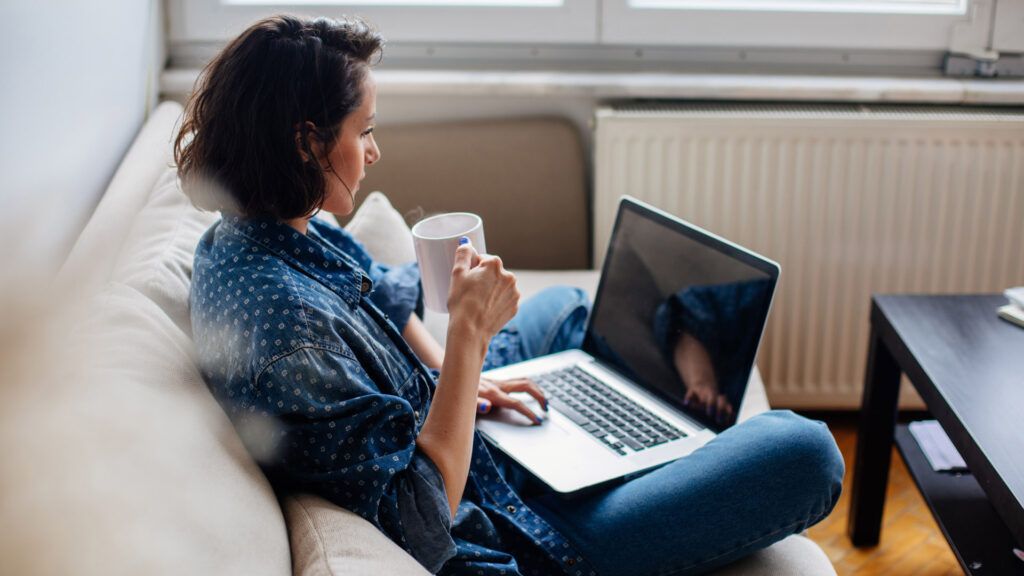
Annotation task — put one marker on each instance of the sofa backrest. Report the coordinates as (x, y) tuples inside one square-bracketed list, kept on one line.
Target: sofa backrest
[(525, 177), (144, 472)]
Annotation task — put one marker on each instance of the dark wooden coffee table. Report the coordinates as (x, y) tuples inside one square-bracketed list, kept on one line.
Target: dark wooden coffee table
[(968, 366)]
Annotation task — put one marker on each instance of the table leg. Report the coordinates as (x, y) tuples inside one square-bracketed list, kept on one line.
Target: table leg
[(874, 443)]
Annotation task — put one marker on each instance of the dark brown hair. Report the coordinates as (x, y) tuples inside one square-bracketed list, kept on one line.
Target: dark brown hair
[(236, 150)]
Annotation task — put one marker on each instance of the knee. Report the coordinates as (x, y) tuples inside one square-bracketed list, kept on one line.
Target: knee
[(571, 306), (566, 297), (577, 300), (809, 460)]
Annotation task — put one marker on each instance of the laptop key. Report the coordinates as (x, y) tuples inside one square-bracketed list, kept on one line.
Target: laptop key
[(629, 430), (569, 412), (632, 443)]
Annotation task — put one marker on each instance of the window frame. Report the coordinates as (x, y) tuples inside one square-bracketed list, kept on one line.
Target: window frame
[(484, 33), (913, 28), (571, 22)]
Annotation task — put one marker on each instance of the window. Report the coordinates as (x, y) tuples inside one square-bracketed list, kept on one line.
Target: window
[(597, 31), (866, 6), (816, 24), (467, 21)]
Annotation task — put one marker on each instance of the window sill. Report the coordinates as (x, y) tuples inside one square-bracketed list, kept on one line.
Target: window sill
[(177, 82)]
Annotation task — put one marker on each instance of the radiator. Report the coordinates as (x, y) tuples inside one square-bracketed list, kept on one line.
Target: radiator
[(850, 200)]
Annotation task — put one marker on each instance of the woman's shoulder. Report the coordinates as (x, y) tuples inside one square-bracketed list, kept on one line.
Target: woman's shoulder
[(272, 305)]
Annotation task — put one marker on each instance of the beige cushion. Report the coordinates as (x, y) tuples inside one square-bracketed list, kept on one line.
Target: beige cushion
[(329, 540), (526, 179), (393, 243), (144, 474), (178, 491), (793, 556), (159, 248), (125, 465)]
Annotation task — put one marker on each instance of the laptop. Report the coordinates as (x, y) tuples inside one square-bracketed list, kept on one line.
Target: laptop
[(669, 347)]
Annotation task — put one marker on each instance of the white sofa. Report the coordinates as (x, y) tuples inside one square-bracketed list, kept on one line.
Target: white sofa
[(143, 473)]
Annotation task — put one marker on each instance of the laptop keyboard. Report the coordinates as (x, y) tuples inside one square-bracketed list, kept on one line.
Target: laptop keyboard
[(616, 421)]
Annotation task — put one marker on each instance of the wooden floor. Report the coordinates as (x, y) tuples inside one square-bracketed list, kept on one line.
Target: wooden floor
[(911, 542)]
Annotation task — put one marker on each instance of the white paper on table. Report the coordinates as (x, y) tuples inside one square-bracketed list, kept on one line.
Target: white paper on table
[(937, 448)]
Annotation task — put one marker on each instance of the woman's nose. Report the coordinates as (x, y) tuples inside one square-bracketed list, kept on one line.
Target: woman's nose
[(373, 154)]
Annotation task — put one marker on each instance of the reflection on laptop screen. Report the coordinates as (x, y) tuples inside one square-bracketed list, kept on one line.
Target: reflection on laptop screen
[(680, 313)]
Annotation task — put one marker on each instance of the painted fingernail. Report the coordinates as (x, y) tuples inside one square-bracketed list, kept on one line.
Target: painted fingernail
[(483, 407), (463, 240), (537, 419)]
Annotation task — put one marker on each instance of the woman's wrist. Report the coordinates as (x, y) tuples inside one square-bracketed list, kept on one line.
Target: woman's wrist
[(467, 337)]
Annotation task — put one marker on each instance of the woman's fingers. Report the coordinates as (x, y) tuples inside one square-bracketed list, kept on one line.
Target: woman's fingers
[(690, 396), (483, 405), (483, 293), (528, 386), (466, 257), (724, 409), (503, 400)]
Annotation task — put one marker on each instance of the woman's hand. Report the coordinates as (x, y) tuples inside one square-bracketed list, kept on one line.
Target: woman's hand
[(693, 363), (483, 296), (495, 394)]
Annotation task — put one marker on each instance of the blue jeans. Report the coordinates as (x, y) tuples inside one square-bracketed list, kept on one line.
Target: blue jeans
[(756, 483)]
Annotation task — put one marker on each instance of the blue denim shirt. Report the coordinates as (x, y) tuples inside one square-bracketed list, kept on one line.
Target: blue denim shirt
[(299, 339)]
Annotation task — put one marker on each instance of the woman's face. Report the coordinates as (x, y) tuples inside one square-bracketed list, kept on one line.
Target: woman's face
[(355, 149)]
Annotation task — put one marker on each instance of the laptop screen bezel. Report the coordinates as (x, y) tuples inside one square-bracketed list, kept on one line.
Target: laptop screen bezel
[(704, 237)]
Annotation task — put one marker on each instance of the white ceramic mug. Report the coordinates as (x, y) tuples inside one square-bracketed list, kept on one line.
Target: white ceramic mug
[(436, 239)]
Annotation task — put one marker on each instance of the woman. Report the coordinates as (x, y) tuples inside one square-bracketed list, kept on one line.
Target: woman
[(319, 356)]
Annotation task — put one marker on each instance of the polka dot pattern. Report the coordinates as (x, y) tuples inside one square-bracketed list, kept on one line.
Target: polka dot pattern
[(299, 339)]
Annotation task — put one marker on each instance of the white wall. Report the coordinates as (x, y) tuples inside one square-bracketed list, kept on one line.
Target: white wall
[(78, 80)]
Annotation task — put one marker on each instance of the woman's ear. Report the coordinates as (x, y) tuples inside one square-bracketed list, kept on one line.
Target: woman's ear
[(311, 138)]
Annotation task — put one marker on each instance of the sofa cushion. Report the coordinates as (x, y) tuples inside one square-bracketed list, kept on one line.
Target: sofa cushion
[(187, 488), (382, 230), (510, 171), (329, 540), (156, 257), (793, 556), (127, 464)]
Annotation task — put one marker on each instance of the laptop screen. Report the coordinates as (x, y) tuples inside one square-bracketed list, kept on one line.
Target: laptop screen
[(680, 312)]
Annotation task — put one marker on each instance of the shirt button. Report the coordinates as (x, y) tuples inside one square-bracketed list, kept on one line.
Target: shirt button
[(416, 413), (366, 286), (571, 561), (511, 508)]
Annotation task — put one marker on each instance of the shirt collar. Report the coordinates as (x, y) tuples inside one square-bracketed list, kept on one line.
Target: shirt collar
[(309, 253)]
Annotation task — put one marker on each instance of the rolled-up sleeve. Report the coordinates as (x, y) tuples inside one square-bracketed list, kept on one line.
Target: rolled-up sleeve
[(397, 291), (335, 434)]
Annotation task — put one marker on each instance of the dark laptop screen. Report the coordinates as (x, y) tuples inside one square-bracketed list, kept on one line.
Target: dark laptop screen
[(680, 312)]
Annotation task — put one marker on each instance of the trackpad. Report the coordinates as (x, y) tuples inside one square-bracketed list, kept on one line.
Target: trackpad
[(556, 451)]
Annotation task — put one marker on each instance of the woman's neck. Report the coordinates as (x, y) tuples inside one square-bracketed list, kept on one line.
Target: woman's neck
[(299, 224)]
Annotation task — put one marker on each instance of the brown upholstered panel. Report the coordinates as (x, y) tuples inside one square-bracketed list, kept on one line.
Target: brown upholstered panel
[(525, 178)]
